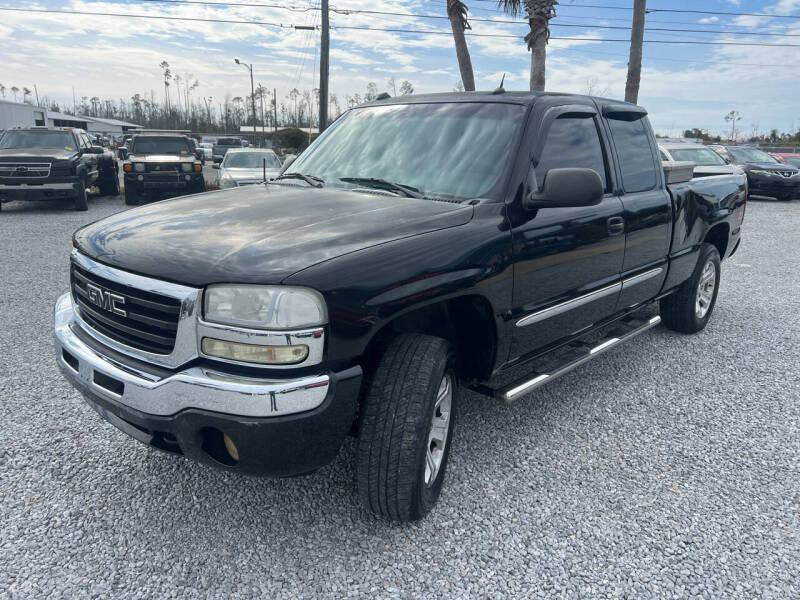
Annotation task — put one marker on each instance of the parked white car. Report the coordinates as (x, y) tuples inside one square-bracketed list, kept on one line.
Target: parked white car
[(707, 162), (245, 166)]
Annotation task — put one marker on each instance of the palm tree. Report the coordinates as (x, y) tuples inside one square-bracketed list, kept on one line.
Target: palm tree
[(2, 90), (635, 57), (539, 14), (457, 13), (15, 91)]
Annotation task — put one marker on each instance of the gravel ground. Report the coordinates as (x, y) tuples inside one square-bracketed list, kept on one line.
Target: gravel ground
[(669, 467)]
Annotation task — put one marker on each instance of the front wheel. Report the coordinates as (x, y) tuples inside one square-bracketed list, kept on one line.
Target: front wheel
[(407, 425), (81, 198), (689, 309)]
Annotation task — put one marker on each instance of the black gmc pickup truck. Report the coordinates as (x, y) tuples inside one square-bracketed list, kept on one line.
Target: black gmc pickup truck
[(420, 246), (42, 163)]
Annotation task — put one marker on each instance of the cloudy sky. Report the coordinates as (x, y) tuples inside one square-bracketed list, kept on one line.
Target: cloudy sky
[(683, 84)]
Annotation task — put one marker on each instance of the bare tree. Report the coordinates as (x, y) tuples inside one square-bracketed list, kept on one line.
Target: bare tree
[(15, 91), (392, 85), (539, 14), (457, 13), (731, 118), (635, 58), (2, 90), (164, 65)]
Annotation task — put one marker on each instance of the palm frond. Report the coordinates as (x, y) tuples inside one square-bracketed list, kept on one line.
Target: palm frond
[(460, 10)]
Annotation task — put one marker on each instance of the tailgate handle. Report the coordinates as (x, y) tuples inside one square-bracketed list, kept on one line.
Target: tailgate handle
[(616, 225)]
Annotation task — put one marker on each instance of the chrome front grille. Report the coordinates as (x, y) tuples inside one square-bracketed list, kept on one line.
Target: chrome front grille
[(138, 319), (25, 169)]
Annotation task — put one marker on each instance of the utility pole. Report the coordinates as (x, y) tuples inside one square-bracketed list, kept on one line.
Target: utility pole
[(635, 57), (252, 94), (275, 107), (323, 68)]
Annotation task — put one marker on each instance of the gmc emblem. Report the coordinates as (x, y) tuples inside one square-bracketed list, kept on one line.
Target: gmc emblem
[(106, 300)]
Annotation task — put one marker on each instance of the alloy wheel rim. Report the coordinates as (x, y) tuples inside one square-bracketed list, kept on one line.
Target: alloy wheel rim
[(440, 426), (705, 290)]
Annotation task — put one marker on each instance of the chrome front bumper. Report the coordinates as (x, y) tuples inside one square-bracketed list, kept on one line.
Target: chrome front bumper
[(122, 382)]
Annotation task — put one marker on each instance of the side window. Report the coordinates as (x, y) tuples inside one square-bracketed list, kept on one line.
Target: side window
[(632, 142), (663, 155), (572, 142)]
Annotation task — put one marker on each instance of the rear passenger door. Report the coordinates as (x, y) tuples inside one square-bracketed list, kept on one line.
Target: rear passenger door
[(647, 207), (567, 260)]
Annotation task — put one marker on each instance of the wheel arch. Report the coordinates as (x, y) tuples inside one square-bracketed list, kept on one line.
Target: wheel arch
[(718, 236), (466, 321)]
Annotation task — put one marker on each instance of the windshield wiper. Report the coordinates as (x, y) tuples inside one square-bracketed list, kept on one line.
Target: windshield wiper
[(376, 182), (309, 179)]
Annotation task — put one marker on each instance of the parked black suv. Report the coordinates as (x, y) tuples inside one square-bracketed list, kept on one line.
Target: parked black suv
[(381, 274), (767, 179), (161, 164), (41, 163)]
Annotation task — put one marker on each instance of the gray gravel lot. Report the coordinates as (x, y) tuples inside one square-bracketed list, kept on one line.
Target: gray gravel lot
[(669, 467)]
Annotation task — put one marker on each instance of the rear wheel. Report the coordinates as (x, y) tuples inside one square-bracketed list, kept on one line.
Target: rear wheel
[(689, 309), (407, 427), (131, 197), (109, 186)]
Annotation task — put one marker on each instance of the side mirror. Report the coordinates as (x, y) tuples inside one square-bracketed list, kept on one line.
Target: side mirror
[(216, 165), (568, 187), (95, 150), (123, 153), (288, 162)]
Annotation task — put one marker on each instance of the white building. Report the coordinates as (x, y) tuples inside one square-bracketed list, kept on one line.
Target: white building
[(17, 114)]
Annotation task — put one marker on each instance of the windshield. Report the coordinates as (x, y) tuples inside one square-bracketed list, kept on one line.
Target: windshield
[(37, 139), (155, 145), (700, 156), (447, 149), (229, 142), (792, 160), (750, 155), (251, 160)]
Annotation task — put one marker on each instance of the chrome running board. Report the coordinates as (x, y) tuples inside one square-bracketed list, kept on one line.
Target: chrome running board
[(576, 354)]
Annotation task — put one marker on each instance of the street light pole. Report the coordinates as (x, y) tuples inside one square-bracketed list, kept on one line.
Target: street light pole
[(323, 68), (252, 94)]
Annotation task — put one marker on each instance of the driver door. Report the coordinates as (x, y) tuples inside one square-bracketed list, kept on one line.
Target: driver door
[(567, 260)]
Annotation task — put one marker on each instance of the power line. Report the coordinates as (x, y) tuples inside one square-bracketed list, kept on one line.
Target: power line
[(670, 10), (349, 11), (388, 30)]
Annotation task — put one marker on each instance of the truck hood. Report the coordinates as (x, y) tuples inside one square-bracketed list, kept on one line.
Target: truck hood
[(770, 166), (34, 154), (258, 233)]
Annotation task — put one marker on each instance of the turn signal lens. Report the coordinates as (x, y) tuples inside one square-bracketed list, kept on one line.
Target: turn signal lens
[(263, 355), (198, 167), (127, 167)]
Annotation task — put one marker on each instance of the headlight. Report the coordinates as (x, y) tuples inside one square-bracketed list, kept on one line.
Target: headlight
[(227, 182), (265, 307), (138, 167), (186, 167), (760, 172), (251, 353)]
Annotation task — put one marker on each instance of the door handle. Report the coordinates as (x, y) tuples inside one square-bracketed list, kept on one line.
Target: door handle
[(616, 225)]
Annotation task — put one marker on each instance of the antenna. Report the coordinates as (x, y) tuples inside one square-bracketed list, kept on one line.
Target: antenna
[(500, 90)]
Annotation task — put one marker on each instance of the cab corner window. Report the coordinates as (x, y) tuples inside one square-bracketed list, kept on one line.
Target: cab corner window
[(572, 141), (635, 154)]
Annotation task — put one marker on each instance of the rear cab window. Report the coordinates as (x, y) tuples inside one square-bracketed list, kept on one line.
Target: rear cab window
[(631, 138)]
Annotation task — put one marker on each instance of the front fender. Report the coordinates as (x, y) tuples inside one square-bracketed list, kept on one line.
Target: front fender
[(368, 289)]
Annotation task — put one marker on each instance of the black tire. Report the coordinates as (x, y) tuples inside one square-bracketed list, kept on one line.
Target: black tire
[(131, 197), (109, 185), (396, 421), (679, 309), (81, 200)]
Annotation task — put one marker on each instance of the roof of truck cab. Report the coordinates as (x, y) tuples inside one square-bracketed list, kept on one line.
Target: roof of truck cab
[(505, 97)]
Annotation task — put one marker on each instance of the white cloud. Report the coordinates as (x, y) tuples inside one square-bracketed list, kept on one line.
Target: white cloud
[(707, 20)]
